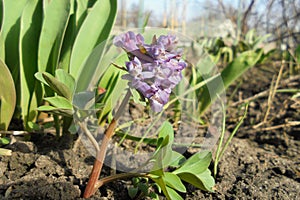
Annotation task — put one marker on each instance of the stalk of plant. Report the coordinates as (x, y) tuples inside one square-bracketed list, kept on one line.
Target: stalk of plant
[(100, 154), (153, 70)]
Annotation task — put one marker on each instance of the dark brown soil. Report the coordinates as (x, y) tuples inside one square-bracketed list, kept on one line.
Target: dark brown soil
[(262, 162)]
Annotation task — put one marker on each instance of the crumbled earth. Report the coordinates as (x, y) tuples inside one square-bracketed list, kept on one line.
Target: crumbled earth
[(262, 161)]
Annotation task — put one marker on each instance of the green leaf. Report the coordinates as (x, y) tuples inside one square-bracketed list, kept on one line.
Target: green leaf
[(115, 87), (56, 16), (56, 85), (163, 155), (196, 164), (173, 181), (176, 159), (203, 181), (66, 48), (233, 71), (94, 30), (4, 140), (239, 66), (86, 80), (161, 183), (34, 126), (7, 96), (56, 111), (81, 12), (59, 102), (84, 100), (39, 77), (153, 195), (132, 192), (31, 21), (10, 30), (143, 187), (66, 79), (173, 195), (165, 130)]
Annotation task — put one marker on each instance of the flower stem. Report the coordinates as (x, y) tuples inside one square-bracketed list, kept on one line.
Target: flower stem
[(92, 185)]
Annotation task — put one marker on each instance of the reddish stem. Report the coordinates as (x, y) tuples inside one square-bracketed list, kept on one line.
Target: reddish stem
[(91, 186)]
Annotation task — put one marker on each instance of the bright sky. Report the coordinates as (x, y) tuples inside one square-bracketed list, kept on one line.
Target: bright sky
[(194, 7)]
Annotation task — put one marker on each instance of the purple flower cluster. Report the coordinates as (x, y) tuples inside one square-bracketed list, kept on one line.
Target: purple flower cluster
[(154, 69)]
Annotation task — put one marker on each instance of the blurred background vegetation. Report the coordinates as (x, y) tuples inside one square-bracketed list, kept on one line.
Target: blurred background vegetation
[(220, 18)]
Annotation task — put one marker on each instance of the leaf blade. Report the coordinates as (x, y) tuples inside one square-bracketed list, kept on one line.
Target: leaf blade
[(56, 16), (198, 163), (173, 181), (96, 31), (7, 96), (31, 20)]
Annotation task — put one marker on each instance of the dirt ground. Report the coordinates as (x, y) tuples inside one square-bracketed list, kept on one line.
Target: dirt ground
[(262, 161)]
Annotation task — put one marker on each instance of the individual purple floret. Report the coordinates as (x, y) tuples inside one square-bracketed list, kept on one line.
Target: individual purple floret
[(154, 69)]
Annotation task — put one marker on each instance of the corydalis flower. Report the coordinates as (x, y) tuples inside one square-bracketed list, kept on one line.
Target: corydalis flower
[(154, 69)]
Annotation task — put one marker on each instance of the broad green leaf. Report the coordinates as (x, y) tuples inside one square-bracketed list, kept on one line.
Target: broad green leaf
[(86, 79), (165, 156), (104, 64), (56, 16), (173, 195), (39, 76), (66, 48), (45, 4), (233, 71), (56, 111), (94, 30), (56, 85), (165, 130), (173, 181), (84, 100), (177, 159), (203, 181), (7, 96), (31, 21), (81, 12), (59, 102), (66, 79), (207, 180), (10, 30), (197, 164)]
